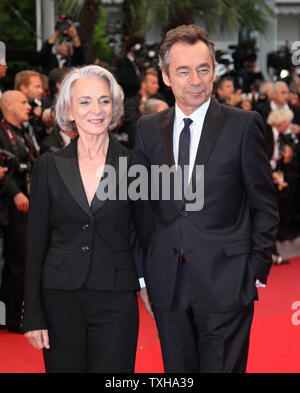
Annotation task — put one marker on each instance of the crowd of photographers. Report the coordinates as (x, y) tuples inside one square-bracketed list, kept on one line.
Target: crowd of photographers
[(28, 129)]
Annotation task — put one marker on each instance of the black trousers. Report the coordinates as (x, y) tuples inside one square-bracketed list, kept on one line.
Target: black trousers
[(91, 331), (193, 341)]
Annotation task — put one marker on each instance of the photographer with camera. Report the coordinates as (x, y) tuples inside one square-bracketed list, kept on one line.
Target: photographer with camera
[(129, 67), (18, 155), (68, 50)]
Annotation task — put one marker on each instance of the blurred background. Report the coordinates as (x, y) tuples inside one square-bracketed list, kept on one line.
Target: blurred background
[(260, 31)]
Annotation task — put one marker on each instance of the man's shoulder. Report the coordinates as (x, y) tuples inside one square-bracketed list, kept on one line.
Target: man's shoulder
[(239, 113)]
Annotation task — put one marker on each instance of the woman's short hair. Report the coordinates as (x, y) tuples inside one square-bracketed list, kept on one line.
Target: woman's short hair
[(278, 116), (63, 102), (189, 34)]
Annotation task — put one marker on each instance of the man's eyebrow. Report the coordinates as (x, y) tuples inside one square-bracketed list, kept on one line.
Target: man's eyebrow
[(203, 65), (199, 66)]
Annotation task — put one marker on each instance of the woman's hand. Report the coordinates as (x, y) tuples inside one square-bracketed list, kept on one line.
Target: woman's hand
[(39, 339), (145, 299)]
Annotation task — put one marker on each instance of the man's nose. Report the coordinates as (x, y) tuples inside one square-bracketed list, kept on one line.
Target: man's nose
[(194, 78)]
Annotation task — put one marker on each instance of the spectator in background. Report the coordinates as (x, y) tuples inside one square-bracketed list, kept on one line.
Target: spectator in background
[(15, 201), (128, 72), (67, 50), (265, 87), (3, 69), (283, 160), (56, 138), (294, 100), (56, 76), (279, 100), (225, 92), (30, 83), (154, 105), (149, 86)]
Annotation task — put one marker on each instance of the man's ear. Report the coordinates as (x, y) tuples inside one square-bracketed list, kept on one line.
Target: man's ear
[(166, 79)]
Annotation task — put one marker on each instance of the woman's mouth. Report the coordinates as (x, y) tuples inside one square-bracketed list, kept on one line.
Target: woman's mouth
[(96, 121)]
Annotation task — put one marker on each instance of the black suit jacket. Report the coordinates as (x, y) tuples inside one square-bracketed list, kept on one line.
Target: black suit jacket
[(68, 244), (228, 243)]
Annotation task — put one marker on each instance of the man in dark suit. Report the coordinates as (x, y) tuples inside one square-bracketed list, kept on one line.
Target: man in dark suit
[(203, 266), (15, 201)]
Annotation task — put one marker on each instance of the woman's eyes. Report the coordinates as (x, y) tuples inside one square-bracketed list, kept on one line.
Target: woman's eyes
[(102, 101), (105, 101)]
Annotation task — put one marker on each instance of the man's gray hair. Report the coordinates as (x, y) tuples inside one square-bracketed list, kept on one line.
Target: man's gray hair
[(63, 102)]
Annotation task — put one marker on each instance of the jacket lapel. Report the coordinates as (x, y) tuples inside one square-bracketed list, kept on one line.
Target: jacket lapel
[(166, 132), (114, 152), (210, 132), (68, 169)]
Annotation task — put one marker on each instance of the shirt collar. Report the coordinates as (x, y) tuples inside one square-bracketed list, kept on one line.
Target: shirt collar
[(197, 116), (276, 107)]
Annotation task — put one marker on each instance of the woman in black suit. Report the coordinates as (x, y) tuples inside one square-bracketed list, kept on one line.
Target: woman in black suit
[(81, 279)]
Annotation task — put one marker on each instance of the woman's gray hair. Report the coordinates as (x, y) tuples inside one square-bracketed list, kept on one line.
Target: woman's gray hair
[(63, 102)]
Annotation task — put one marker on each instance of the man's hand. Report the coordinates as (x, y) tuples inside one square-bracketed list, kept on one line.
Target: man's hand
[(2, 171), (21, 202), (278, 178), (145, 299), (72, 32), (37, 111), (295, 128), (287, 154), (39, 339), (235, 98)]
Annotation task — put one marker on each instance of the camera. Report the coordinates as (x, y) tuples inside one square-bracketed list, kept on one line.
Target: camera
[(35, 102), (7, 159), (254, 97), (63, 24), (11, 161)]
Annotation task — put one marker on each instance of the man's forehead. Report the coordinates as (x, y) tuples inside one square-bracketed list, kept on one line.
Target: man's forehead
[(34, 79), (184, 52)]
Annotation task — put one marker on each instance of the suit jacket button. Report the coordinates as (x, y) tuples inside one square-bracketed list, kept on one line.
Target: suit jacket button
[(183, 213), (85, 248), (85, 227)]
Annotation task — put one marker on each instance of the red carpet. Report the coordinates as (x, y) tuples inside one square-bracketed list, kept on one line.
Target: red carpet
[(274, 342)]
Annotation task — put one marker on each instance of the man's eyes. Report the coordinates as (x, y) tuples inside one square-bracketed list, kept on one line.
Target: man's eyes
[(200, 71)]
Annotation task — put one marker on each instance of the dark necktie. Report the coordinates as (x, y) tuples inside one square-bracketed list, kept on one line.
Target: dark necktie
[(184, 149), (184, 159)]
